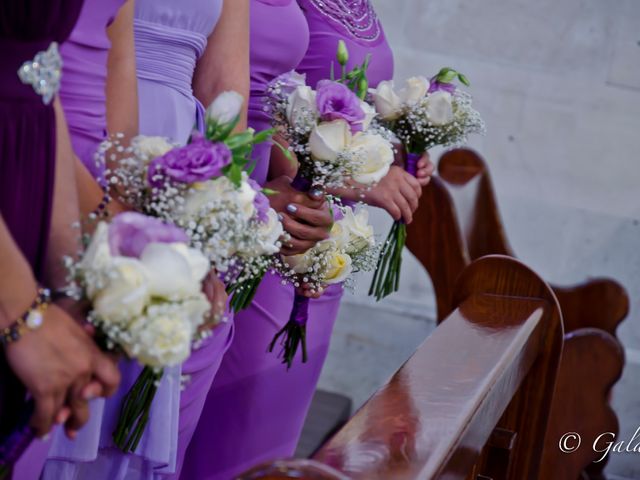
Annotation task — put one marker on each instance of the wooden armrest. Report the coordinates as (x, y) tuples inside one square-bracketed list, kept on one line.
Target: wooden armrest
[(491, 363), (437, 412)]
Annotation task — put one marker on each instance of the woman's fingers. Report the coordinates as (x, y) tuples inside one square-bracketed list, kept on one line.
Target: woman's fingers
[(304, 232), (43, 415), (410, 196), (294, 246), (311, 216), (405, 208)]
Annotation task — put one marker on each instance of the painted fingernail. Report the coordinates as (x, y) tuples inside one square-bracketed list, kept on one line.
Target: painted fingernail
[(291, 208), (90, 393), (280, 217)]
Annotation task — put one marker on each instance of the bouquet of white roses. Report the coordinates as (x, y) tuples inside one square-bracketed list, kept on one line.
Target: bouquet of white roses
[(350, 248), (144, 284), (422, 114), (330, 129), (204, 188)]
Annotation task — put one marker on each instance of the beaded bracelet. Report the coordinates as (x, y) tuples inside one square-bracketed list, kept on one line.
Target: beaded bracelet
[(100, 212), (30, 320)]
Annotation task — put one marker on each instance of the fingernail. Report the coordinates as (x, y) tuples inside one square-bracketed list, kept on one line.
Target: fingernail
[(280, 217), (44, 437), (291, 208), (90, 393), (63, 417)]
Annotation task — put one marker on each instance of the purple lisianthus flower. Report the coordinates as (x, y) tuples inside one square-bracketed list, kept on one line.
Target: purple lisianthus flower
[(198, 161), (435, 86), (130, 232), (261, 202), (336, 101)]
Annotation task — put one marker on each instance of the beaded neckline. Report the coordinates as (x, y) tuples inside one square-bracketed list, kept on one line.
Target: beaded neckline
[(356, 16)]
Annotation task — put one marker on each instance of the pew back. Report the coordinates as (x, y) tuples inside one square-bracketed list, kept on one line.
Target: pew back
[(491, 364)]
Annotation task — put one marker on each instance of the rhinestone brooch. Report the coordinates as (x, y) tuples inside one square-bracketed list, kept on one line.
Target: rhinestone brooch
[(43, 73)]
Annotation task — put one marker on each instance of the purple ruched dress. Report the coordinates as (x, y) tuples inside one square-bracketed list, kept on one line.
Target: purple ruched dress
[(27, 165), (256, 408), (169, 41), (84, 79)]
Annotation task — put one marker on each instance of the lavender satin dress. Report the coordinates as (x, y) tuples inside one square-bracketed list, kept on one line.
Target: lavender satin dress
[(84, 79), (256, 407), (169, 40)]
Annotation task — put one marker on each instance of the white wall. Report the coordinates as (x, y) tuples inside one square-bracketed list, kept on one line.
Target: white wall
[(558, 84)]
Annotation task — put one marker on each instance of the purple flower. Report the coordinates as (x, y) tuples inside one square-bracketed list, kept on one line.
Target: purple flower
[(130, 232), (198, 161), (436, 86), (336, 102), (288, 82), (261, 202)]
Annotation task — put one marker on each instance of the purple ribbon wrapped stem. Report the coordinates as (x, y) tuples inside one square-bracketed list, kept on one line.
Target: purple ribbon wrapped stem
[(411, 165), (294, 333)]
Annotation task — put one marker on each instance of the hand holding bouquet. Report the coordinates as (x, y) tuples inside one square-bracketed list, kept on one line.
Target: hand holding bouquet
[(144, 284), (422, 114), (350, 248), (204, 188), (331, 133)]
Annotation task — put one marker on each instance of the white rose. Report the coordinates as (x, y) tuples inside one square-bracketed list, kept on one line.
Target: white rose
[(98, 253), (148, 148), (360, 232), (329, 139), (414, 90), (196, 309), (225, 108), (269, 233), (197, 197), (125, 293), (338, 269), (161, 338), (387, 102), (245, 197), (299, 263), (339, 235), (175, 270), (376, 156), (369, 114), (440, 108), (301, 104)]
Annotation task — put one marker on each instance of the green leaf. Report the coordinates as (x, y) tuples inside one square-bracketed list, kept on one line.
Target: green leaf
[(239, 140), (464, 80), (448, 76), (269, 191), (286, 153), (221, 134), (263, 136), (235, 175)]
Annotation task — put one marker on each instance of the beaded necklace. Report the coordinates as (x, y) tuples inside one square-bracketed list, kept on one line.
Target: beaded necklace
[(357, 16)]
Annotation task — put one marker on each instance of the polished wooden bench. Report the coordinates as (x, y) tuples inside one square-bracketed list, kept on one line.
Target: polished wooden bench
[(471, 403), (458, 221)]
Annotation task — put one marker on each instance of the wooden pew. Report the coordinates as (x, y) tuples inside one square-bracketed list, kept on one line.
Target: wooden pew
[(446, 236), (472, 402)]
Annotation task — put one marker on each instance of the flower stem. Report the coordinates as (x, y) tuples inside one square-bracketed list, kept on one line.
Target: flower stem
[(134, 414)]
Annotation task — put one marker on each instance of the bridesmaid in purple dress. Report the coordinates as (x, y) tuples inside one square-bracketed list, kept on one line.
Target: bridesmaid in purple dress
[(168, 108), (256, 407), (36, 212), (84, 79)]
